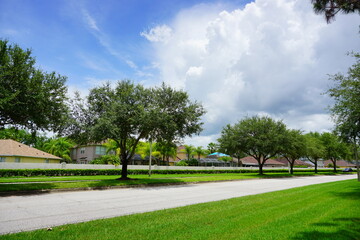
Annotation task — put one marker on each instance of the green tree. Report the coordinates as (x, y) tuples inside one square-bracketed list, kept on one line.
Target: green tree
[(59, 147), (144, 150), (129, 113), (228, 143), (29, 97), (167, 150), (24, 137), (334, 148), (260, 137), (315, 149), (189, 151), (346, 110), (331, 7), (294, 147), (212, 147), (200, 151)]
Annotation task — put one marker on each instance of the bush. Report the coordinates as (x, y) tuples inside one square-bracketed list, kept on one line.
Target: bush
[(106, 159), (182, 163), (192, 162)]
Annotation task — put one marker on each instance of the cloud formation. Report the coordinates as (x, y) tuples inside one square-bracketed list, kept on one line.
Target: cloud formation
[(270, 57), (160, 33)]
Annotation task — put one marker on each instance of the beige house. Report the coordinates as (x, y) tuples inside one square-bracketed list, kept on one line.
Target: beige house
[(83, 154), (13, 151)]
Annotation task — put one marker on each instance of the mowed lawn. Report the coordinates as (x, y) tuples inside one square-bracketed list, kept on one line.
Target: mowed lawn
[(322, 211), (68, 182)]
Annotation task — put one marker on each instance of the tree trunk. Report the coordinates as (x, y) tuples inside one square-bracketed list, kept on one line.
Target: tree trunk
[(292, 167), (124, 169), (334, 162), (315, 166)]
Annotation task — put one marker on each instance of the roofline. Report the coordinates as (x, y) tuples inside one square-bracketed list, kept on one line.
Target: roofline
[(3, 155)]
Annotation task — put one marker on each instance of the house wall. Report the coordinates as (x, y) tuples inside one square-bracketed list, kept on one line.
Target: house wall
[(86, 156), (29, 159)]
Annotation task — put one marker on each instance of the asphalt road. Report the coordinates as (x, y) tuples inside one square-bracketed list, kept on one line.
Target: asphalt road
[(24, 213)]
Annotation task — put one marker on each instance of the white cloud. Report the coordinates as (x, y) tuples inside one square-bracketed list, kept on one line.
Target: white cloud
[(269, 57), (160, 33), (90, 21)]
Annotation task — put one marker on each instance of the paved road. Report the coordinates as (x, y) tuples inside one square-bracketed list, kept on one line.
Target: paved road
[(23, 213)]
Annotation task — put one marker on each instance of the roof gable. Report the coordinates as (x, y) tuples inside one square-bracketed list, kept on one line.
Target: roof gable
[(10, 147)]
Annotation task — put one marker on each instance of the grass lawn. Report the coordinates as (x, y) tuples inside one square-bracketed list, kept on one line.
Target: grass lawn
[(48, 183), (322, 211)]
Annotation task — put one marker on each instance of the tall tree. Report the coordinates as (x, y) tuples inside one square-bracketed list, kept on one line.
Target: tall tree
[(294, 147), (331, 7), (260, 137), (129, 113), (228, 144), (29, 97), (346, 110), (334, 148), (315, 149)]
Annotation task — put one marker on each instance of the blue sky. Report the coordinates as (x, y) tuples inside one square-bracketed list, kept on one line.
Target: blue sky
[(238, 58)]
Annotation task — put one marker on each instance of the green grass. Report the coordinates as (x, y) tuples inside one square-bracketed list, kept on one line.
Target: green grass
[(49, 183), (323, 211)]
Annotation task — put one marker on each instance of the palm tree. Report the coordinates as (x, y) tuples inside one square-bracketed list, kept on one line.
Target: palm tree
[(144, 150), (189, 150), (167, 150), (59, 147), (200, 151)]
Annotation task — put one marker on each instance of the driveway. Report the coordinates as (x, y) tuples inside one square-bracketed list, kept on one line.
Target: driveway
[(24, 213)]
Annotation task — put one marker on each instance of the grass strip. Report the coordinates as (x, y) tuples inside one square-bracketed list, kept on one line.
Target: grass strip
[(49, 183), (322, 211)]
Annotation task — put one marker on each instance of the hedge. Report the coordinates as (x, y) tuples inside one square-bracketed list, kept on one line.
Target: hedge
[(91, 172)]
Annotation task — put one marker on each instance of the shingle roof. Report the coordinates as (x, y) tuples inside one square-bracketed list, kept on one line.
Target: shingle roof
[(252, 161), (10, 147), (340, 163)]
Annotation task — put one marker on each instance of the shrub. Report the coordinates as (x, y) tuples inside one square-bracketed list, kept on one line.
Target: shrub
[(182, 163), (107, 159)]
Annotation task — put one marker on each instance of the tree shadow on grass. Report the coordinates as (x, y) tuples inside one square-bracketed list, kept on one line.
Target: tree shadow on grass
[(104, 184), (25, 189), (346, 228)]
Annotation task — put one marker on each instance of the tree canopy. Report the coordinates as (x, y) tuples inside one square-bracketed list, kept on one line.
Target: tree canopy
[(129, 113), (29, 97), (331, 7), (346, 109), (259, 137)]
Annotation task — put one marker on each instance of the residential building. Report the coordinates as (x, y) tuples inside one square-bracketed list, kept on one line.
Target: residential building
[(340, 163), (84, 154), (13, 151), (252, 162)]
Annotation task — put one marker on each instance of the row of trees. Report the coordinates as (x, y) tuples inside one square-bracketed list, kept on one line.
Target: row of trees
[(264, 138)]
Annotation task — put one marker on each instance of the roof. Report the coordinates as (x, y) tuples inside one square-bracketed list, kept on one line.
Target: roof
[(252, 161), (297, 162), (10, 147), (340, 163)]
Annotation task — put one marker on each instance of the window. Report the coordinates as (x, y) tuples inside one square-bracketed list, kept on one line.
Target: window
[(82, 150), (17, 159), (46, 160), (2, 159), (100, 150)]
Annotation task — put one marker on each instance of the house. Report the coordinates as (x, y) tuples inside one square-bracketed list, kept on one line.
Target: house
[(13, 151), (84, 154), (297, 162), (339, 163), (252, 162)]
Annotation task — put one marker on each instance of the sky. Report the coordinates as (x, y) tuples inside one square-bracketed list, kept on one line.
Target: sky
[(238, 58)]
